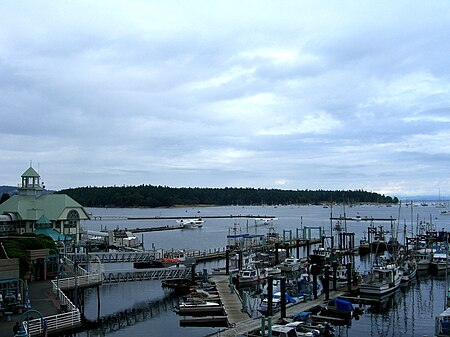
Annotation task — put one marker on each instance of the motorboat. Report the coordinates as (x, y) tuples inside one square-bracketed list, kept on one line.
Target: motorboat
[(304, 318), (291, 264), (384, 277), (250, 275), (338, 308), (276, 301), (302, 330), (201, 306), (272, 271)]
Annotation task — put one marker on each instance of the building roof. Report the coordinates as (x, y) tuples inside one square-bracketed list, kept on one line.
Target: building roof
[(31, 172), (54, 234), (30, 207), (43, 220)]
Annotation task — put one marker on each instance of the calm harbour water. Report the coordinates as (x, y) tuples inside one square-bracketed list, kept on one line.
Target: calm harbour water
[(411, 311)]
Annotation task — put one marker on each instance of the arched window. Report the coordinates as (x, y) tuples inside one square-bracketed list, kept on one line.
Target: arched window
[(73, 217)]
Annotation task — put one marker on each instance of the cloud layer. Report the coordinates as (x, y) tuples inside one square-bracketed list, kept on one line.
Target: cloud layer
[(292, 95)]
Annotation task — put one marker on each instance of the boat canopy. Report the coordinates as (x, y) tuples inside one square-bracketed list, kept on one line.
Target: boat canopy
[(445, 314), (303, 314), (342, 304), (238, 236)]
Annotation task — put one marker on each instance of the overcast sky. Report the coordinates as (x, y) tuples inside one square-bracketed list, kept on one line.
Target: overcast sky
[(272, 94)]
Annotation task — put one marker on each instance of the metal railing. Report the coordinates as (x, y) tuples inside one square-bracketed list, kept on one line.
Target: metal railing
[(71, 317)]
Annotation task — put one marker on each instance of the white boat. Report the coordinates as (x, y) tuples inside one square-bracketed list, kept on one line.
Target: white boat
[(191, 223), (250, 275), (383, 279), (199, 307), (271, 271), (291, 264), (440, 261), (264, 306), (423, 257)]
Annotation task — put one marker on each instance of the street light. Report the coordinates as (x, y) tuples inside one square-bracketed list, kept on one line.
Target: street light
[(57, 272), (22, 332)]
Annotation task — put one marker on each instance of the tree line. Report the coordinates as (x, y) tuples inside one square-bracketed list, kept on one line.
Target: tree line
[(163, 196)]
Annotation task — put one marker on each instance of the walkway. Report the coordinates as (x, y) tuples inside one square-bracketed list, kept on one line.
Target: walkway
[(230, 299), (243, 327), (42, 299)]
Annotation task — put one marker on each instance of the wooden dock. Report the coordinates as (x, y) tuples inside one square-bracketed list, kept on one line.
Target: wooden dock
[(231, 216), (242, 327), (230, 300)]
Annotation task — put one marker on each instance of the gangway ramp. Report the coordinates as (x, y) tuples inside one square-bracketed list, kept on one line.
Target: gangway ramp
[(132, 275)]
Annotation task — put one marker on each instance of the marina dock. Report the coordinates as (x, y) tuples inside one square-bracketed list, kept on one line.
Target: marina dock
[(242, 327), (230, 300)]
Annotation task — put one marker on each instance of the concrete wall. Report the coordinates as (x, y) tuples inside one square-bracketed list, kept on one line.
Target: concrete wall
[(9, 269)]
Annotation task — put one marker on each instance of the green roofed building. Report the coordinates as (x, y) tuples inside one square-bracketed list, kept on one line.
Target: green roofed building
[(32, 210)]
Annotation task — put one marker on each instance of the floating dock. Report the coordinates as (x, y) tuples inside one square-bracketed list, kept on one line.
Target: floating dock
[(242, 326), (230, 300)]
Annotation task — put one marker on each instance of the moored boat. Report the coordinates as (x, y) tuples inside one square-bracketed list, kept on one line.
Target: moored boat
[(199, 307), (383, 278), (409, 270), (440, 261), (423, 257)]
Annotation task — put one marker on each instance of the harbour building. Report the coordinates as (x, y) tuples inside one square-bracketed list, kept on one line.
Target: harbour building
[(34, 210)]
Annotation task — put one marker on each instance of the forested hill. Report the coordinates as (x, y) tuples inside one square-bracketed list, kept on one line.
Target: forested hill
[(163, 196)]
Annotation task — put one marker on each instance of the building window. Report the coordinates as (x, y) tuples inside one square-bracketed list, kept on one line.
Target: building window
[(73, 217)]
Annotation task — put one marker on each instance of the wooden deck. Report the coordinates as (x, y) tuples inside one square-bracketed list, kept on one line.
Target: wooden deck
[(242, 327), (230, 300)]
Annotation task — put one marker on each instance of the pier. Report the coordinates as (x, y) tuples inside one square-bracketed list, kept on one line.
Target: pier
[(230, 299), (243, 327), (231, 216), (119, 276)]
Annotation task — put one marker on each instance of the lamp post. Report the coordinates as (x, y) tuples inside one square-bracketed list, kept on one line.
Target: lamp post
[(22, 332), (24, 292), (57, 272)]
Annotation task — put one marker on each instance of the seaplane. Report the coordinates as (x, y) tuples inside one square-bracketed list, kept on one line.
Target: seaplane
[(191, 223), (264, 221)]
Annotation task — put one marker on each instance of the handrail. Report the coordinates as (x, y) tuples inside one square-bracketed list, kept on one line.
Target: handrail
[(68, 319)]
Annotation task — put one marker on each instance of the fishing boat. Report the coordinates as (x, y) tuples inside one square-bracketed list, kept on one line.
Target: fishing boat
[(424, 257), (384, 277), (440, 261), (320, 256), (364, 246), (342, 276), (409, 270)]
